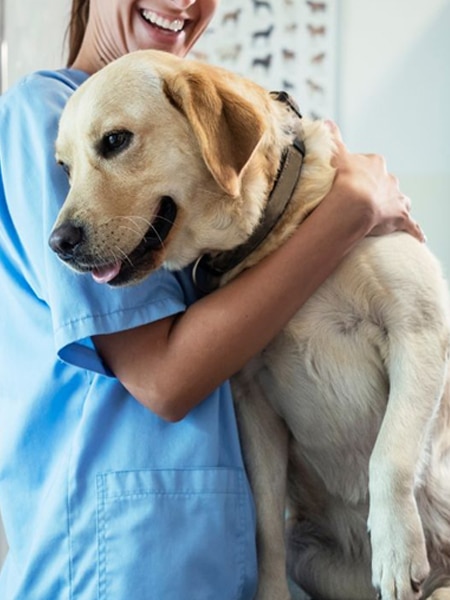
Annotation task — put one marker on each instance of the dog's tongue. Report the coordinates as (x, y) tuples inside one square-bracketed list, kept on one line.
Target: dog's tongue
[(107, 273)]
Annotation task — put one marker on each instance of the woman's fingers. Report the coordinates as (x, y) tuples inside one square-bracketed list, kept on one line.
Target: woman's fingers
[(364, 178)]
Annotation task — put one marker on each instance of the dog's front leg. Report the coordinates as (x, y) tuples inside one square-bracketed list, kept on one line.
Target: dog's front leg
[(264, 438), (417, 367)]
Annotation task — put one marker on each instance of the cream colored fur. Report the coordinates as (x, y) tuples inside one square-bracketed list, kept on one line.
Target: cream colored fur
[(345, 416)]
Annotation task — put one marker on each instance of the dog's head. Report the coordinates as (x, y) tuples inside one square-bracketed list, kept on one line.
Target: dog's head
[(155, 148)]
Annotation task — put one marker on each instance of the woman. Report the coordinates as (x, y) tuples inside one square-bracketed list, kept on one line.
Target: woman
[(120, 467)]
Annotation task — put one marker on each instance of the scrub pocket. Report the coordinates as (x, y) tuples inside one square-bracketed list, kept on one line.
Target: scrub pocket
[(175, 535)]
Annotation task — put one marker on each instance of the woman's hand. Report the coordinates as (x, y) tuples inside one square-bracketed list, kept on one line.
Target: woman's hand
[(363, 182)]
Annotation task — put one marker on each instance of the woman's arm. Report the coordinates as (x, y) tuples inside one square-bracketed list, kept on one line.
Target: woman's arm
[(171, 365)]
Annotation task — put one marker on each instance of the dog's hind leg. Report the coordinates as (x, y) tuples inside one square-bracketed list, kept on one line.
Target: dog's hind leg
[(437, 586), (317, 564), (440, 594), (264, 438)]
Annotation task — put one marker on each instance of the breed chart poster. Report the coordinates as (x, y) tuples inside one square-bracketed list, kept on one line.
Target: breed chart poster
[(288, 45)]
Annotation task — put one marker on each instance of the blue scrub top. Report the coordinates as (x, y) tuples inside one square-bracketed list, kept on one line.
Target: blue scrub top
[(100, 498)]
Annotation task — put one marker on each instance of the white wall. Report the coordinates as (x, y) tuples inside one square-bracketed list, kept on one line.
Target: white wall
[(34, 33), (395, 98)]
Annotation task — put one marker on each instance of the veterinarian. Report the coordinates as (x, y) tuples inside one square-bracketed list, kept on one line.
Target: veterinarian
[(121, 474)]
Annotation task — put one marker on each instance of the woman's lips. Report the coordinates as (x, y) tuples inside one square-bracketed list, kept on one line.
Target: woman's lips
[(163, 23)]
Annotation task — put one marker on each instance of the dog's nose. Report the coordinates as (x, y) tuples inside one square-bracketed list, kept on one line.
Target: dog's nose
[(64, 239)]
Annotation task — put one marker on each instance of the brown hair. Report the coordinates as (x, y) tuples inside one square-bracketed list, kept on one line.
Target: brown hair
[(77, 27)]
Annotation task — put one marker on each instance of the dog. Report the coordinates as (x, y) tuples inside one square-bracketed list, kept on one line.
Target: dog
[(263, 33), (288, 55), (257, 4), (232, 16), (317, 6), (316, 30), (314, 87), (264, 62), (345, 416), (231, 52)]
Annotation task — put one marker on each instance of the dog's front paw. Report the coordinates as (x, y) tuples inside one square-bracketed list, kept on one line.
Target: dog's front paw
[(399, 555)]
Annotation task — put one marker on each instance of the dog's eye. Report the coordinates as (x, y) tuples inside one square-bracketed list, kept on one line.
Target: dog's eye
[(114, 142)]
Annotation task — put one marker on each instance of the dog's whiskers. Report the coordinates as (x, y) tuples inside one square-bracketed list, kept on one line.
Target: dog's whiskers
[(134, 226), (149, 224), (161, 241), (125, 257), (161, 218)]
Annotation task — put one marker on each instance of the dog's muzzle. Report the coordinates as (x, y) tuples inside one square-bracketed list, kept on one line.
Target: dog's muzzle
[(71, 243)]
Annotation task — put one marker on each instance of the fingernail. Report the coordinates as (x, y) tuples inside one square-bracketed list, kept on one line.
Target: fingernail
[(424, 237), (331, 124)]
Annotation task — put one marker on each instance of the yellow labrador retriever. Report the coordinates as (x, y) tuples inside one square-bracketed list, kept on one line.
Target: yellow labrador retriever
[(345, 416)]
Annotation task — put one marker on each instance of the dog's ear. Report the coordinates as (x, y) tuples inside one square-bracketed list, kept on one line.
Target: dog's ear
[(228, 127)]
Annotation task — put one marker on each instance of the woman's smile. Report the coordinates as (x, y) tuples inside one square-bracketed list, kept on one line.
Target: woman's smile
[(170, 25)]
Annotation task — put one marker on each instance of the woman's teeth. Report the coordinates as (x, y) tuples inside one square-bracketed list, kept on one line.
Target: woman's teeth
[(155, 19)]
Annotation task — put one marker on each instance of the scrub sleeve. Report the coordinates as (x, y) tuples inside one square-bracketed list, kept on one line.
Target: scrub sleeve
[(100, 498)]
